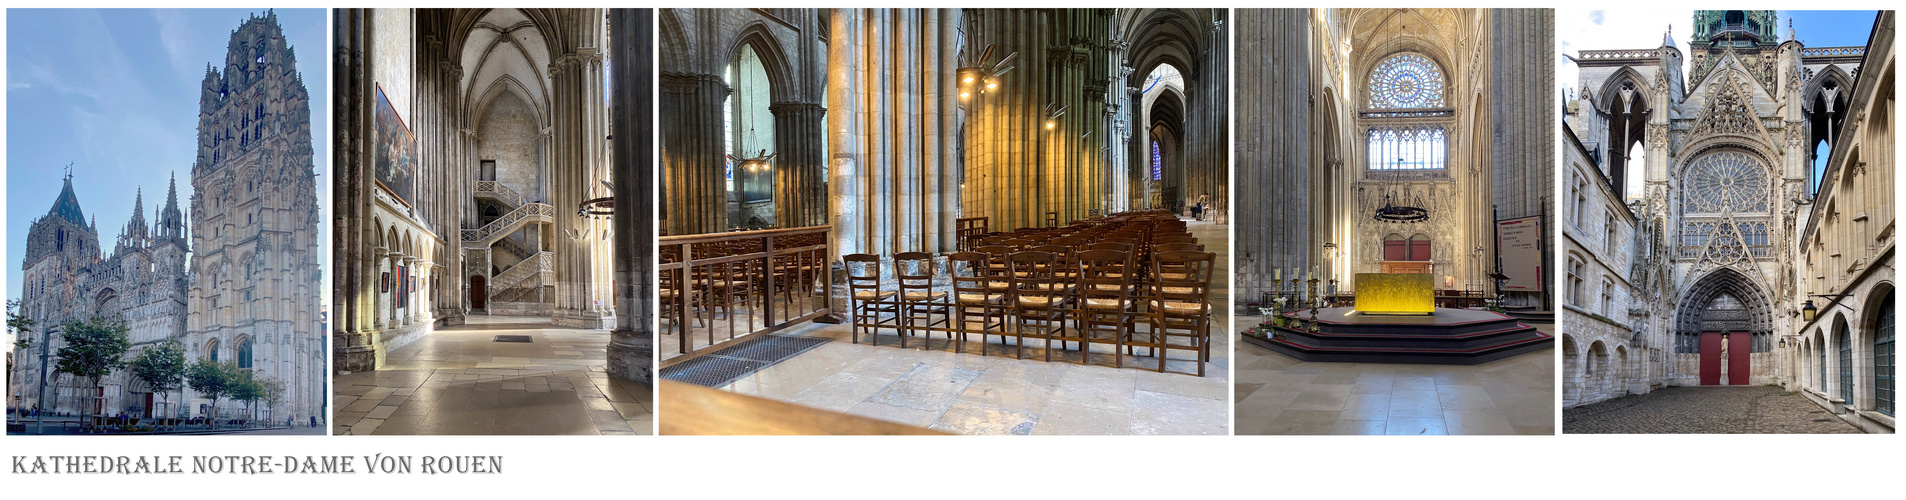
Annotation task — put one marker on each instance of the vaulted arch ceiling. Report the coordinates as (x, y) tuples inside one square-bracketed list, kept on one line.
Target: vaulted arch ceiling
[(1369, 28), (1440, 34), (505, 51), (1168, 111), (1163, 36)]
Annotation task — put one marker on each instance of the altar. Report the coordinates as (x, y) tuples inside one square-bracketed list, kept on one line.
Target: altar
[(1395, 293)]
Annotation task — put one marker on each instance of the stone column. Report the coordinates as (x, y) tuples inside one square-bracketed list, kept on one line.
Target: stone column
[(844, 129), (1274, 210), (1016, 168), (353, 341), (1138, 148), (799, 191), (696, 196), (576, 164), (1521, 179), (888, 130), (389, 313), (632, 343)]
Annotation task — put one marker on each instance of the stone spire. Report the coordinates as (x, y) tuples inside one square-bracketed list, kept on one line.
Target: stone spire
[(134, 235), (171, 223), (139, 206)]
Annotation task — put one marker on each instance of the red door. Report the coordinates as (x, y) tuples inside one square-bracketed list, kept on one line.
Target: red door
[(148, 405), (1737, 351), (1710, 358)]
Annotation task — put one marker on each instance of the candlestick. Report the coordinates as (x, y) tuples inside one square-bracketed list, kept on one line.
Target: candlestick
[(1313, 305)]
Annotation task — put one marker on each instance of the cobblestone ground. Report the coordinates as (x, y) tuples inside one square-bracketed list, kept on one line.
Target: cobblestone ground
[(1706, 410)]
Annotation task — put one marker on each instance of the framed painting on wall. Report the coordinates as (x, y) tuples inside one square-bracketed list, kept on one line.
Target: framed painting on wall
[(394, 152)]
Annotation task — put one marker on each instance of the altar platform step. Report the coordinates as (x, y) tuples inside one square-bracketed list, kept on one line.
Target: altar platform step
[(1451, 336)]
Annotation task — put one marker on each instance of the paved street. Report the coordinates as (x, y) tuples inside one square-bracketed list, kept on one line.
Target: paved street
[(1706, 410), (64, 426)]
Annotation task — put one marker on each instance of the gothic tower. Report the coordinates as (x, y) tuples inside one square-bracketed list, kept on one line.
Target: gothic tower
[(255, 277)]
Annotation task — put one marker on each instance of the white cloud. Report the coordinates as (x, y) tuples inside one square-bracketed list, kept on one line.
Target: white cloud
[(175, 34), (1578, 30)]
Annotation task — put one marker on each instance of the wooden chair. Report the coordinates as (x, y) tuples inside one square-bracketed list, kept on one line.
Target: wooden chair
[(865, 300), (1106, 305), (977, 292), (1173, 247), (1038, 300), (1180, 304), (918, 302)]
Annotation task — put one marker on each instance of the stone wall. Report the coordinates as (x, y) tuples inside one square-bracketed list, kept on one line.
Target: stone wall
[(509, 134)]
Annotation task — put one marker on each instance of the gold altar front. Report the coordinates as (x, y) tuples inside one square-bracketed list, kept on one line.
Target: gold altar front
[(1389, 293)]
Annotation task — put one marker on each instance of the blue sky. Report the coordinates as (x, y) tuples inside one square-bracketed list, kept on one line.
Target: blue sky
[(1578, 30), (115, 93)]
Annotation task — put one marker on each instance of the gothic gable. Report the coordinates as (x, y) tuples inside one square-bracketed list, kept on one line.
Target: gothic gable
[(1729, 107)]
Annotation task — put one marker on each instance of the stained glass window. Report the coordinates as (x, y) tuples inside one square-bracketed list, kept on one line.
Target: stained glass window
[(1158, 163), (1407, 148), (1726, 182), (1406, 81)]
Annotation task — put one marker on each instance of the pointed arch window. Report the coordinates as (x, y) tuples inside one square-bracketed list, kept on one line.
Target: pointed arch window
[(1406, 114), (245, 354), (1158, 163), (1408, 148)]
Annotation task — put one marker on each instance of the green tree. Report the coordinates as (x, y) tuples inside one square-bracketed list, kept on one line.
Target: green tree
[(20, 326), (94, 348), (162, 368), (274, 392), (213, 380), (247, 388)]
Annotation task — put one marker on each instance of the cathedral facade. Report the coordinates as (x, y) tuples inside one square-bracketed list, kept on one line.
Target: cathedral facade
[(244, 287), (1730, 217)]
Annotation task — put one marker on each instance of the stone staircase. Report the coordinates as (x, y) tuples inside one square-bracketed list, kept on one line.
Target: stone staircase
[(496, 191), (531, 213), (523, 279), (514, 248)]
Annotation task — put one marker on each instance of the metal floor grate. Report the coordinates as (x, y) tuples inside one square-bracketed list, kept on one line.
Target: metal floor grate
[(521, 339), (722, 367)]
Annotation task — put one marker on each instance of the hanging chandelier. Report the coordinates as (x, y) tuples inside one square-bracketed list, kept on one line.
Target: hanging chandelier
[(1398, 206), (598, 208)]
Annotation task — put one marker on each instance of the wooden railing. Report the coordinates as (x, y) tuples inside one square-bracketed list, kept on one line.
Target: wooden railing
[(970, 230), (722, 288)]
